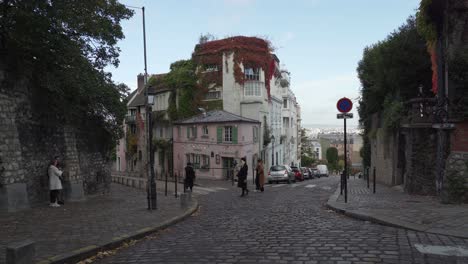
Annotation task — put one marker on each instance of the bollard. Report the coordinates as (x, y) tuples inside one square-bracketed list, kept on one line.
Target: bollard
[(367, 175), (183, 200), (165, 187), (175, 187), (341, 183), (374, 180), (20, 253)]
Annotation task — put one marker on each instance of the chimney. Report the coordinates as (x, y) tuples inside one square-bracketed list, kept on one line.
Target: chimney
[(140, 82)]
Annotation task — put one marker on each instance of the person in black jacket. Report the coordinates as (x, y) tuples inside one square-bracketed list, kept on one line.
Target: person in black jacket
[(189, 176), (242, 177)]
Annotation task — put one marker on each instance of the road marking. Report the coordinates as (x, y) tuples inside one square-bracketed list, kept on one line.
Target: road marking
[(310, 186), (294, 185), (205, 189), (220, 188), (442, 250), (326, 187), (278, 185)]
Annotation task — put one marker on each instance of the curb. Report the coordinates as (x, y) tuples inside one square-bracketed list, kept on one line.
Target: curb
[(333, 205), (75, 256)]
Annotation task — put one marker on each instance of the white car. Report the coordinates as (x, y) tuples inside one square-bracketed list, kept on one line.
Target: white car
[(322, 170)]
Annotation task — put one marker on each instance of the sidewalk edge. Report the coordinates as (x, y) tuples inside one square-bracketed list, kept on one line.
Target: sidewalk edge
[(337, 207), (75, 256)]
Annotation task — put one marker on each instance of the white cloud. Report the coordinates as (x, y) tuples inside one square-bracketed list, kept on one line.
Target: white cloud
[(318, 98)]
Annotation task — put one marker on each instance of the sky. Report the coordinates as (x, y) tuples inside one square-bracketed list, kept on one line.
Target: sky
[(319, 41)]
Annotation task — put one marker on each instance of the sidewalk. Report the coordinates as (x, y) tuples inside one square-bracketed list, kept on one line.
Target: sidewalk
[(80, 229), (390, 206)]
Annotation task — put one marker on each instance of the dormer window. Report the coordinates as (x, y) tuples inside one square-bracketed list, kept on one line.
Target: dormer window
[(211, 68)]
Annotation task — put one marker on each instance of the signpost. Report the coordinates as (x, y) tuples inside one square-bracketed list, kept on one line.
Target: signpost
[(344, 105)]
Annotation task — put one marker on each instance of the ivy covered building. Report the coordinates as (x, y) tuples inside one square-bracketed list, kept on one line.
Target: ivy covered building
[(239, 75)]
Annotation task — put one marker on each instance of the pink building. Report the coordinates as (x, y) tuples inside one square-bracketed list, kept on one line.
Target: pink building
[(213, 142)]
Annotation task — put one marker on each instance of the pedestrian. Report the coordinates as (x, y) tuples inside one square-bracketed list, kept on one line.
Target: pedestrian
[(242, 177), (260, 179), (189, 176), (55, 182)]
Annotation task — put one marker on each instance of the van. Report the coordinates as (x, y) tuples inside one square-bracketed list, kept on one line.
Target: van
[(322, 170)]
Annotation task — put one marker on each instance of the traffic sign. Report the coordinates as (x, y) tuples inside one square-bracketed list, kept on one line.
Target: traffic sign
[(344, 115), (344, 105)]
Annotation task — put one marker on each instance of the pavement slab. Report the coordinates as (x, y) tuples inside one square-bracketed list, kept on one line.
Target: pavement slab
[(81, 228), (393, 207)]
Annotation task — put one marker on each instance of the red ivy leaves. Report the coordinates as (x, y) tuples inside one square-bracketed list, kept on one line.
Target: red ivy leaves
[(250, 51)]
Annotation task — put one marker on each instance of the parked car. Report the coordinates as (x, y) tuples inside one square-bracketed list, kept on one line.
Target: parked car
[(279, 173), (315, 173), (298, 173), (311, 173), (305, 172), (322, 170)]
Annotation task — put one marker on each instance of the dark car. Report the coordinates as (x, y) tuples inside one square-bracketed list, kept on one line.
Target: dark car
[(297, 173)]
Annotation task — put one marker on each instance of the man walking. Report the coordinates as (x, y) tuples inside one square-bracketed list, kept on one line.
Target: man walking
[(189, 176)]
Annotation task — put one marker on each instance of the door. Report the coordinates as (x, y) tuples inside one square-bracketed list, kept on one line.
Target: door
[(228, 170)]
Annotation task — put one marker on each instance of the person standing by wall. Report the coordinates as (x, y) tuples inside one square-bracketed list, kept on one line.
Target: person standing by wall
[(242, 177), (55, 183), (260, 179)]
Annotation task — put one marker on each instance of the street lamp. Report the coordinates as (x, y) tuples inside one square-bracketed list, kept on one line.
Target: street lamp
[(272, 150), (151, 183)]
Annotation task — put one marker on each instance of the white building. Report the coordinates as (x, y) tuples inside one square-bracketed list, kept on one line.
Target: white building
[(266, 97)]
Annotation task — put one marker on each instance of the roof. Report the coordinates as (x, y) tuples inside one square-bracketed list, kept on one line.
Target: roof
[(216, 116)]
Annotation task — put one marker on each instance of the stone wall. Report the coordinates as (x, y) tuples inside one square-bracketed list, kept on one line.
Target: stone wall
[(383, 151), (421, 161), (28, 143), (456, 162)]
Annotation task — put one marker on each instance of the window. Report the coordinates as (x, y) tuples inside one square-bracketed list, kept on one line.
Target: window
[(198, 160), (255, 134), (133, 112), (192, 132), (285, 103), (252, 74), (228, 133), (211, 67), (253, 88), (161, 134), (213, 95), (133, 128), (205, 130)]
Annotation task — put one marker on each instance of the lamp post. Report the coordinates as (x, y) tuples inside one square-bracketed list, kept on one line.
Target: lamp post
[(272, 150), (151, 183)]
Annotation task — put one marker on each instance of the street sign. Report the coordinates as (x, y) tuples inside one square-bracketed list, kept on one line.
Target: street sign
[(344, 105), (344, 116)]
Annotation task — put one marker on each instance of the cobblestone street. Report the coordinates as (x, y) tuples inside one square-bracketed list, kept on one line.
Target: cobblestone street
[(286, 224)]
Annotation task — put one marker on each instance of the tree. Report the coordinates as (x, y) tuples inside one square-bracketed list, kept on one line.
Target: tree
[(332, 157), (63, 48), (390, 72), (307, 161)]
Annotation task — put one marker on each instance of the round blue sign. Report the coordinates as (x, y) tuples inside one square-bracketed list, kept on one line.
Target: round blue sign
[(344, 105)]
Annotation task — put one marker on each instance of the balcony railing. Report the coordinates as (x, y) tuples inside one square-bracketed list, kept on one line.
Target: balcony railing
[(420, 111), (130, 119)]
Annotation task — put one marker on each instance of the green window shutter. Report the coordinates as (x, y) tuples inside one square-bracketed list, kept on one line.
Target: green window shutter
[(219, 132), (195, 130), (188, 132), (234, 135)]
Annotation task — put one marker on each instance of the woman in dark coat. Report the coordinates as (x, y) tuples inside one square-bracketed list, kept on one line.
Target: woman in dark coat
[(189, 176), (242, 177)]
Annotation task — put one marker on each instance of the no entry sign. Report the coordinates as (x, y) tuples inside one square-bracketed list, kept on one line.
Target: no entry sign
[(344, 105)]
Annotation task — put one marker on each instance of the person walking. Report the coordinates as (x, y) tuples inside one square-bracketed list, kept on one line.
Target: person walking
[(189, 176), (242, 177), (260, 181), (55, 183)]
